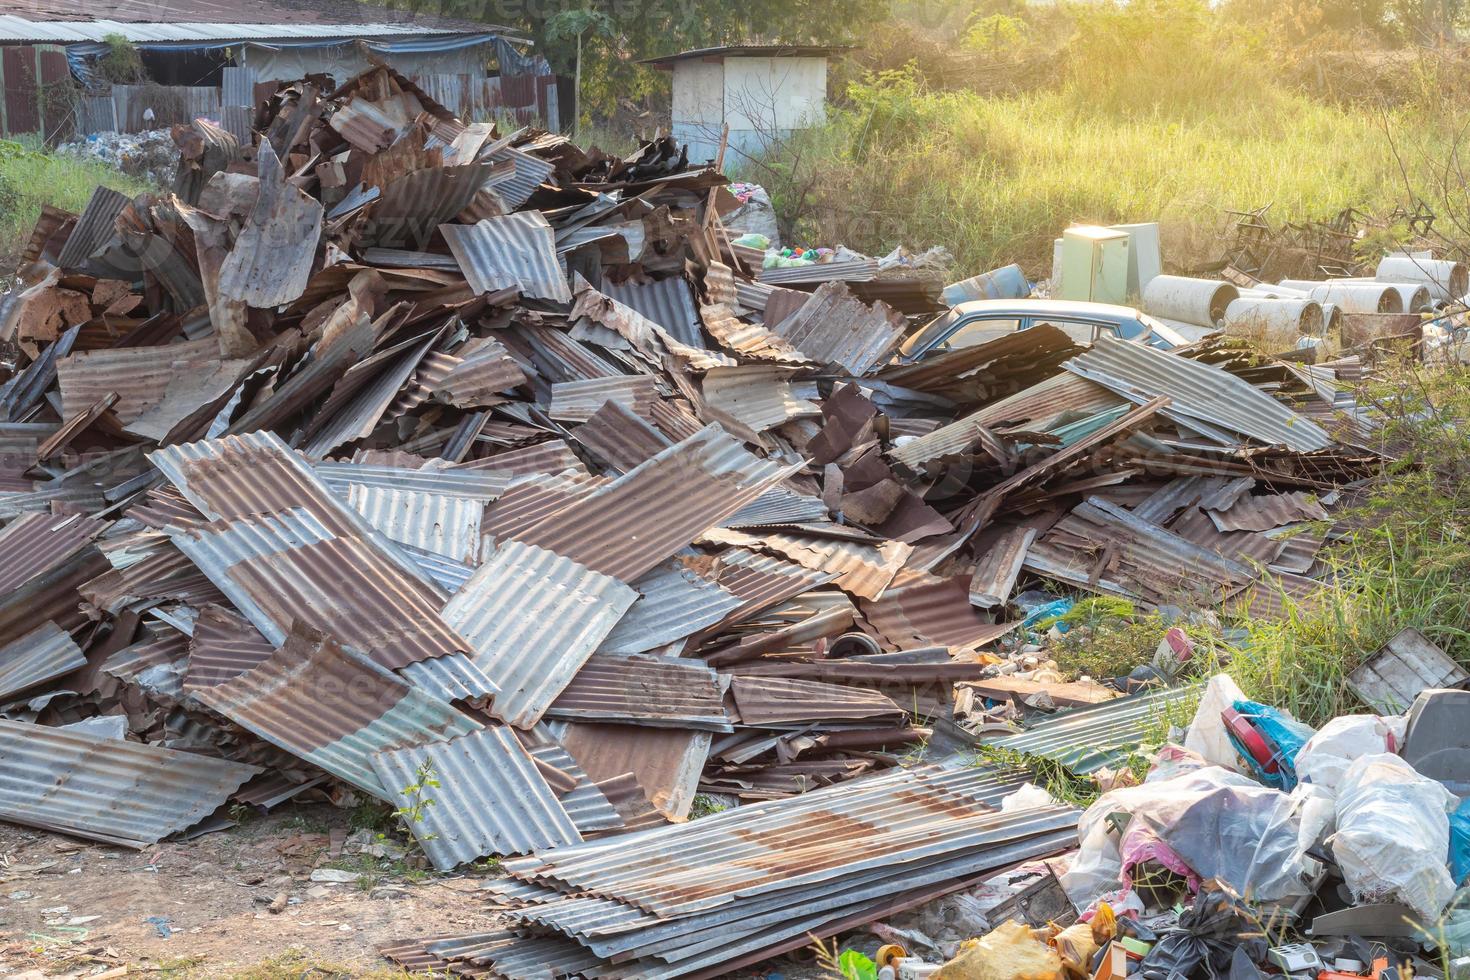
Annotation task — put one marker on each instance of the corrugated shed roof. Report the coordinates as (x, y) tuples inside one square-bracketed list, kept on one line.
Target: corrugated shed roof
[(510, 251), (665, 761), (533, 618), (333, 708), (631, 525), (1199, 394), (106, 789), (289, 568), (490, 798), (834, 327), (194, 21), (673, 602), (667, 302), (33, 543), (443, 525), (1084, 740), (43, 654), (639, 689), (578, 401), (785, 701)]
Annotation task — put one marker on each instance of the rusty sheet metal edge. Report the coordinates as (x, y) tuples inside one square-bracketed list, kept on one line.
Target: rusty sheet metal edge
[(43, 654)]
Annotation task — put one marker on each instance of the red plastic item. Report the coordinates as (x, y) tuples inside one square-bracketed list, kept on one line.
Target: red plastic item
[(1254, 742)]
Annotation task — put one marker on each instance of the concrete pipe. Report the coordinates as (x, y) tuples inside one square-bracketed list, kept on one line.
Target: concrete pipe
[(1274, 317), (1414, 296), (1331, 319), (1446, 280), (1198, 301), (854, 644), (1007, 282), (1352, 297), (1268, 291)]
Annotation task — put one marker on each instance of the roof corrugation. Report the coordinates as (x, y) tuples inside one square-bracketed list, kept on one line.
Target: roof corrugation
[(1086, 739), (1198, 393), (156, 665), (412, 206), (995, 574), (758, 396), (1269, 511), (490, 798), (552, 456), (45, 653), (452, 678), (585, 802), (667, 302), (779, 505), (288, 568), (528, 503), (223, 645), (333, 708), (533, 618), (578, 401), (159, 30), (510, 251), (156, 387), (97, 224), (483, 485), (834, 327), (619, 438), (673, 603), (437, 523), (665, 761), (644, 690), (106, 789), (531, 172), (862, 568), (855, 270), (631, 525), (485, 368), (750, 340), (783, 701), (931, 611), (34, 543)]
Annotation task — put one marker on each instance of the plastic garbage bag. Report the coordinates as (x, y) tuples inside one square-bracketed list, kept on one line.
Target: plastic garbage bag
[(1325, 758), (1009, 952), (1207, 736), (1028, 796), (1218, 936), (1219, 824), (1393, 835)]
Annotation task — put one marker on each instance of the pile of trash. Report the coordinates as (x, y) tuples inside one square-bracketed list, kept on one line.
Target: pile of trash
[(392, 456), (149, 155)]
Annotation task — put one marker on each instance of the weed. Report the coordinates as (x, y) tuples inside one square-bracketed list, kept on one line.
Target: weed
[(417, 801), (704, 806), (30, 178)]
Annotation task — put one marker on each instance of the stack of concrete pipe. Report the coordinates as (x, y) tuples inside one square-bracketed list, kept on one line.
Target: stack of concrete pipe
[(1210, 303), (1445, 279)]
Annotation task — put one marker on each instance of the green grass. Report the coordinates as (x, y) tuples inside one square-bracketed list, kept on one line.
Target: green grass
[(31, 178)]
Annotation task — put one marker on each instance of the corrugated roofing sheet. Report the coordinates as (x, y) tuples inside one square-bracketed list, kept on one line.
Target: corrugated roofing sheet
[(533, 618), (929, 611), (640, 689), (271, 260), (333, 708), (836, 328), (483, 485), (550, 457), (667, 302), (510, 251), (758, 396), (223, 645), (33, 543), (578, 401), (1084, 740), (753, 341), (489, 798), (673, 602), (1269, 511), (106, 789), (618, 438), (585, 802), (665, 761), (862, 568), (785, 701), (854, 270), (995, 574), (631, 525), (484, 370), (531, 172), (166, 30), (444, 525), (97, 224), (1198, 393), (45, 653)]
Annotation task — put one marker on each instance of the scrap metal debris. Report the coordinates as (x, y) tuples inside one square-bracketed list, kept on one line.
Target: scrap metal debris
[(407, 452)]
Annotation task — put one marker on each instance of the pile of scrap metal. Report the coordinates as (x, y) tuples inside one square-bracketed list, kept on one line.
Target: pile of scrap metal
[(390, 445)]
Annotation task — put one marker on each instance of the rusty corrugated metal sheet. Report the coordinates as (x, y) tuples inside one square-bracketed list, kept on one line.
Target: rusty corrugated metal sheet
[(854, 270), (631, 525), (531, 171), (45, 653), (510, 251), (639, 689), (1189, 491), (155, 665), (836, 328), (1196, 527), (412, 206), (1086, 739), (864, 568), (667, 302), (528, 503), (484, 370), (922, 610), (96, 226), (33, 543), (760, 581), (1202, 397), (489, 798), (758, 396), (156, 387), (533, 618), (750, 340), (1269, 511), (673, 603), (223, 646), (333, 708), (583, 799), (995, 574), (665, 761), (782, 701), (619, 438), (483, 486), (107, 789), (578, 401), (550, 457), (438, 523), (270, 262)]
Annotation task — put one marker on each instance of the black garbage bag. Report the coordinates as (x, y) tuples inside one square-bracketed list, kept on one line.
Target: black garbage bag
[(1206, 941)]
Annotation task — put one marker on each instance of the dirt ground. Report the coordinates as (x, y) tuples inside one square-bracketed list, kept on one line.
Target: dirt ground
[(74, 908)]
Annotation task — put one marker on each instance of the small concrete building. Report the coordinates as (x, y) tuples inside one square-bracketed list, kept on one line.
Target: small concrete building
[(763, 92)]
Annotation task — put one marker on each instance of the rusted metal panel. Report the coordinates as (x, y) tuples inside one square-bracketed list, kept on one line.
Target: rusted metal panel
[(758, 397), (106, 789), (530, 502), (223, 646), (531, 171), (464, 484), (994, 578), (1203, 397), (533, 618), (511, 251), (665, 761), (333, 708), (96, 226), (619, 438), (578, 401), (1268, 511), (44, 654), (754, 341), (485, 369), (271, 260), (551, 457), (673, 603), (863, 567), (780, 701), (631, 525), (438, 523), (489, 798), (639, 689), (854, 270), (667, 302), (33, 543), (411, 207), (921, 610), (836, 328)]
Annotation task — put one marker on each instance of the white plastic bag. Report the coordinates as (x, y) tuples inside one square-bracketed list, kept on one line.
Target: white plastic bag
[(1026, 797), (1207, 735), (1325, 759), (1393, 835)]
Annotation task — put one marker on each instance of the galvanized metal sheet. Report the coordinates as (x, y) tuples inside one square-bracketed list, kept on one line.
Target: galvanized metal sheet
[(333, 708), (619, 438), (1197, 392), (443, 525), (482, 485), (585, 801), (1085, 740), (45, 653), (97, 224), (673, 602), (1268, 512), (510, 251), (666, 762), (34, 543), (578, 401), (836, 328), (271, 260), (667, 302), (783, 701), (531, 171), (639, 689), (489, 798), (923, 610), (533, 618), (106, 789), (758, 397), (863, 568)]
